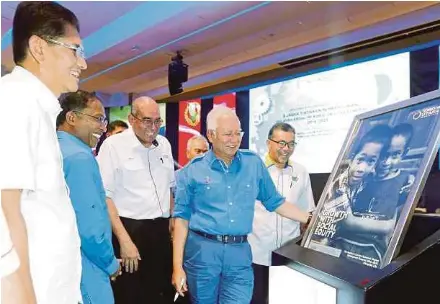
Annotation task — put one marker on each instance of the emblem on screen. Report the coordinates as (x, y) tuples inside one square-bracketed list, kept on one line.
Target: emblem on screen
[(192, 113)]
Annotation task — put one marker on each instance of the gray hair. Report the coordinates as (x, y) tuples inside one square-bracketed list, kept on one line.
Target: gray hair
[(196, 137), (215, 114)]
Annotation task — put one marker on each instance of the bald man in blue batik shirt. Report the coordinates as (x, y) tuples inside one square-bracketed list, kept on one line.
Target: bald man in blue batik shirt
[(214, 209), (80, 124)]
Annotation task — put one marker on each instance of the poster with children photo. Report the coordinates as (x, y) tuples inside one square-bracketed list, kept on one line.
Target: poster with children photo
[(375, 185)]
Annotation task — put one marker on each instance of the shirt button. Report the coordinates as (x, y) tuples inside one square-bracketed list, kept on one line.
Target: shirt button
[(208, 187), (232, 221), (229, 187), (230, 203)]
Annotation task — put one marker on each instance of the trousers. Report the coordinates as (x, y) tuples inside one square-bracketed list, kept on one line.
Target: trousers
[(152, 282), (218, 273)]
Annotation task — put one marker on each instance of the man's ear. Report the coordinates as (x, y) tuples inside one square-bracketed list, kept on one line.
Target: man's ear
[(210, 134), (70, 118), (37, 48)]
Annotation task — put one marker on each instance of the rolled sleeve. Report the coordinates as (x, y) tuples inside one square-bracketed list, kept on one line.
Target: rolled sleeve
[(107, 168), (182, 202), (267, 192), (91, 215)]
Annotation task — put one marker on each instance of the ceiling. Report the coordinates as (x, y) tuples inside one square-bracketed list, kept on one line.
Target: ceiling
[(129, 44)]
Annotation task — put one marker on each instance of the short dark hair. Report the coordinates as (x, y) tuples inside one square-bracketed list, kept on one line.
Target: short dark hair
[(116, 124), (45, 19), (76, 101), (406, 130), (380, 134), (283, 126)]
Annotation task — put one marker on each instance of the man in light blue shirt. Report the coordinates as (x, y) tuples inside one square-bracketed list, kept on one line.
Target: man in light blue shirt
[(80, 124), (214, 209)]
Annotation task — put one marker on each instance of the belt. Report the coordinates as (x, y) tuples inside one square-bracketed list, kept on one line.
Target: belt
[(226, 239)]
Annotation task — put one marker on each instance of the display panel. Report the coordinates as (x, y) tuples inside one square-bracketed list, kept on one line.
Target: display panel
[(369, 199), (322, 106)]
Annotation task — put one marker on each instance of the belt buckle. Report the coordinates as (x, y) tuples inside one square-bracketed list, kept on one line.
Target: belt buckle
[(225, 238)]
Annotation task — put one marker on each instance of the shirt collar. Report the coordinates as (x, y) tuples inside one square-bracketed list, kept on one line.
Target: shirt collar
[(134, 141), (214, 161), (74, 140), (269, 162), (48, 101)]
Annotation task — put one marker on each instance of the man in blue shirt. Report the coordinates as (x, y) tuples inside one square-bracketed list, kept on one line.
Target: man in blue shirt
[(80, 124), (213, 213)]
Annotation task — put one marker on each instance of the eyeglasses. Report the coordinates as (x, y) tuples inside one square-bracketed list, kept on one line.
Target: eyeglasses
[(100, 119), (79, 49), (283, 143), (148, 122)]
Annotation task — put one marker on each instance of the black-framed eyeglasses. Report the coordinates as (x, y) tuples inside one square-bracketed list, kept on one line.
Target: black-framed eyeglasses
[(99, 119), (283, 143), (148, 122), (78, 49)]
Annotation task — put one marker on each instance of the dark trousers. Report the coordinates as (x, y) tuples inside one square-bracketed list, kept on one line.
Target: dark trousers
[(261, 284), (152, 282)]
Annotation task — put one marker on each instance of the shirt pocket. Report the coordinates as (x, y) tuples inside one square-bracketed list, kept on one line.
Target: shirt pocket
[(247, 194), (133, 171)]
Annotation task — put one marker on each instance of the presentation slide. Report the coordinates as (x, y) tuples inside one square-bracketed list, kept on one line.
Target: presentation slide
[(321, 106)]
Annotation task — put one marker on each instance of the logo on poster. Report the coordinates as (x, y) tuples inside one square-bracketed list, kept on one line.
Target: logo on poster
[(192, 113), (419, 114)]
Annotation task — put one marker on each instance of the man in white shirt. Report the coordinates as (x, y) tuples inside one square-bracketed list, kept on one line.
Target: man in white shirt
[(270, 231), (137, 169), (48, 54)]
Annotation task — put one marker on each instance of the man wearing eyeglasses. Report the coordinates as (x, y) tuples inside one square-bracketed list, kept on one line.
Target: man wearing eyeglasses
[(48, 55), (138, 173), (80, 124), (215, 201), (269, 230)]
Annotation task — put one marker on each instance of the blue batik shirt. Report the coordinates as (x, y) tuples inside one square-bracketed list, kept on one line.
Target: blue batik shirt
[(220, 200), (87, 194)]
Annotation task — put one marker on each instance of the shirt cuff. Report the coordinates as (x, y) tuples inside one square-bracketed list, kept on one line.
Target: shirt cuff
[(113, 267), (181, 214), (273, 203)]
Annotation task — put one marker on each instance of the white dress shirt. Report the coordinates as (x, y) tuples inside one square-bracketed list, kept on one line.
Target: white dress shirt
[(136, 178), (30, 159), (269, 230)]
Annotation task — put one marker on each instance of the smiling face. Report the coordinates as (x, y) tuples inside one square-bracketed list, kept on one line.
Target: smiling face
[(62, 65), (280, 155), (88, 126), (226, 139), (145, 120)]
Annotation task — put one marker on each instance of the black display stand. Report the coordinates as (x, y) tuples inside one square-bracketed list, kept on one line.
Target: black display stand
[(412, 277)]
